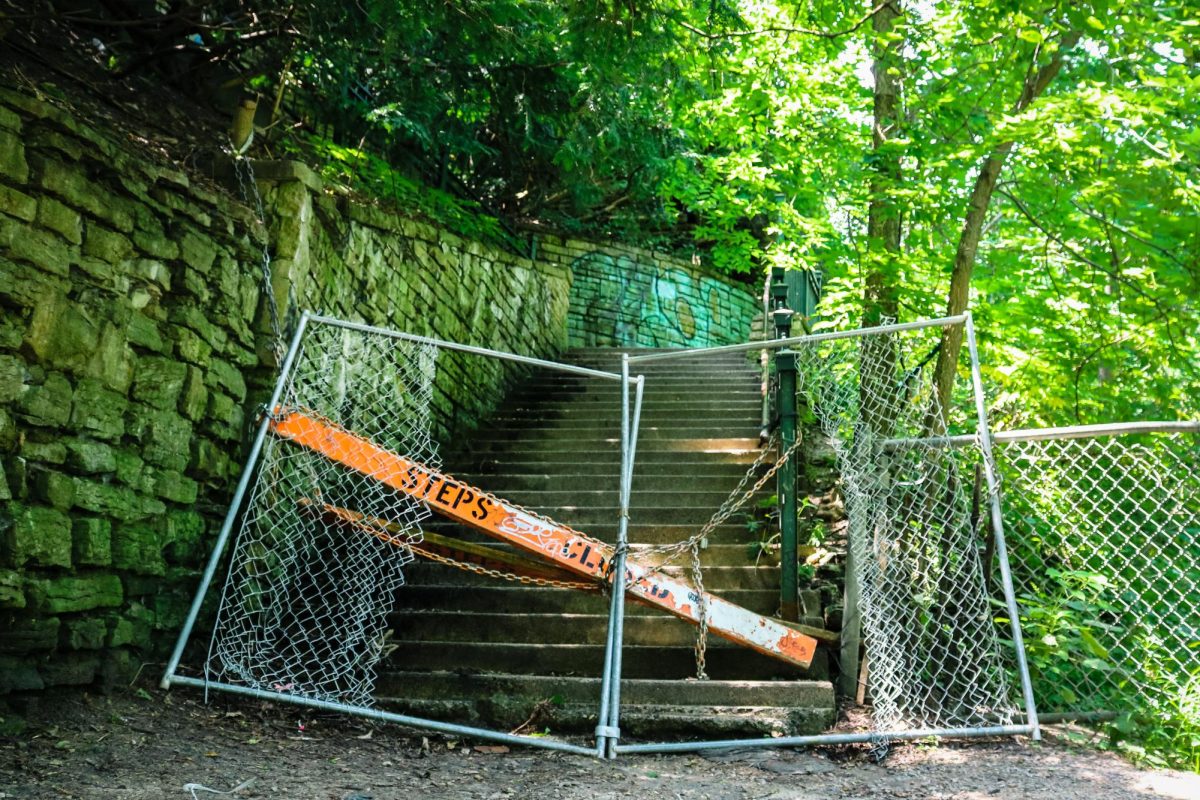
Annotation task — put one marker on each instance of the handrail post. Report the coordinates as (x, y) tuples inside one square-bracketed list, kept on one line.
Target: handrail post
[(789, 578)]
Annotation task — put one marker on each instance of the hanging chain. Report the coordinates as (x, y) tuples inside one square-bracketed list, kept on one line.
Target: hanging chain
[(736, 500), (479, 569), (248, 187)]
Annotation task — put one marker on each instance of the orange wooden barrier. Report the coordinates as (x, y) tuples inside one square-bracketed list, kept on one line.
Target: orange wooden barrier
[(561, 546)]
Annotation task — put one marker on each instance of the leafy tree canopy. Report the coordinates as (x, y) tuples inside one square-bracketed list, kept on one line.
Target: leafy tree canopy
[(1060, 136)]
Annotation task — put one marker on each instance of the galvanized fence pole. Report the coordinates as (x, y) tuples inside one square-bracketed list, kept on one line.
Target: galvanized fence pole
[(1010, 600), (608, 732), (235, 505)]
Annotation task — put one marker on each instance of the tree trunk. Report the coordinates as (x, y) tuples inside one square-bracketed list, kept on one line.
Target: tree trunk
[(1036, 82), (881, 292)]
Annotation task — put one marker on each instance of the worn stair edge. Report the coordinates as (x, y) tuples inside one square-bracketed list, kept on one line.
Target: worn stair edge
[(648, 721), (638, 661)]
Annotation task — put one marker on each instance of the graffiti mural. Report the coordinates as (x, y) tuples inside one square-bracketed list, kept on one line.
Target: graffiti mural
[(621, 300)]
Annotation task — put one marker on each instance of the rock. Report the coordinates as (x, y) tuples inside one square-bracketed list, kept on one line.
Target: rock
[(158, 381), (48, 404), (17, 204), (91, 541), (198, 252), (74, 593), (12, 157), (165, 437), (106, 245), (138, 547), (42, 249), (84, 633), (194, 398), (70, 669), (228, 377), (117, 670), (64, 221), (169, 485), (52, 452), (144, 332), (11, 595), (37, 535), (99, 410), (90, 457), (53, 488), (23, 633), (129, 467), (17, 675), (63, 334)]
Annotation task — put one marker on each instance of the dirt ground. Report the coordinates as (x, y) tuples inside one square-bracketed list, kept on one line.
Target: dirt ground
[(150, 744)]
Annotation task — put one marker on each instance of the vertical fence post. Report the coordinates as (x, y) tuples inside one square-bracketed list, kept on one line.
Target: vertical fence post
[(985, 445), (789, 579)]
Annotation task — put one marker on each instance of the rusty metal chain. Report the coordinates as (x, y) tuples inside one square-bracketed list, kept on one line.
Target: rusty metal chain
[(479, 569), (737, 498), (248, 187)]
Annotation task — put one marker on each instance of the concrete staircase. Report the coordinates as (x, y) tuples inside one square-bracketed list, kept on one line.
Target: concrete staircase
[(485, 651)]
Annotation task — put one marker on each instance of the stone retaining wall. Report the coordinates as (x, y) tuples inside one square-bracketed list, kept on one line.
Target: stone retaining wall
[(134, 348)]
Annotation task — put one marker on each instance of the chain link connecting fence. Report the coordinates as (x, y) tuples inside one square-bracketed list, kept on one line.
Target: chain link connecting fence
[(935, 658), (1104, 538), (938, 663), (305, 603), (342, 476)]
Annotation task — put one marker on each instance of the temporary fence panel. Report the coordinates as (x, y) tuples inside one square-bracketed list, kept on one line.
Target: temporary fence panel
[(1104, 538), (938, 663), (320, 545)]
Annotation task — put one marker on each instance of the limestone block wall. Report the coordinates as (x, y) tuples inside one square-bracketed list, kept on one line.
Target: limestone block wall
[(126, 354), (133, 355), (354, 261), (135, 350)]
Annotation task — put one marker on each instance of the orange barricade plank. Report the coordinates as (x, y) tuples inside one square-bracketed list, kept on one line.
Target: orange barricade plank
[(561, 546)]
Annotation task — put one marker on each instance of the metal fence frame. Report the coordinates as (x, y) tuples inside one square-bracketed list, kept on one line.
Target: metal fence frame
[(609, 728), (170, 675)]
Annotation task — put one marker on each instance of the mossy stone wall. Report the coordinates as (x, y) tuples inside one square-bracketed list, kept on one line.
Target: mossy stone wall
[(135, 349)]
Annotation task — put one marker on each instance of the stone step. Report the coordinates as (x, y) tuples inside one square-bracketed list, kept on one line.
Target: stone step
[(657, 721), (713, 374), (657, 630), (723, 662), (716, 579), (746, 408), (607, 531), (567, 689), (589, 518), (604, 357), (643, 481), (641, 499), (587, 433), (532, 448), (745, 391), (595, 460), (514, 598), (719, 554)]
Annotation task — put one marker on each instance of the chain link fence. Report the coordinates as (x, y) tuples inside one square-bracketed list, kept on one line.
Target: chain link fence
[(938, 664), (343, 477), (934, 657), (1104, 541)]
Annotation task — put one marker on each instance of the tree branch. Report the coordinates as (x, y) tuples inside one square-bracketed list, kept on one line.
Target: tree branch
[(1036, 81), (788, 28)]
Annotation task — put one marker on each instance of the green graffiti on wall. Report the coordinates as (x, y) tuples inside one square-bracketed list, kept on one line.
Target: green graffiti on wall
[(618, 300)]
